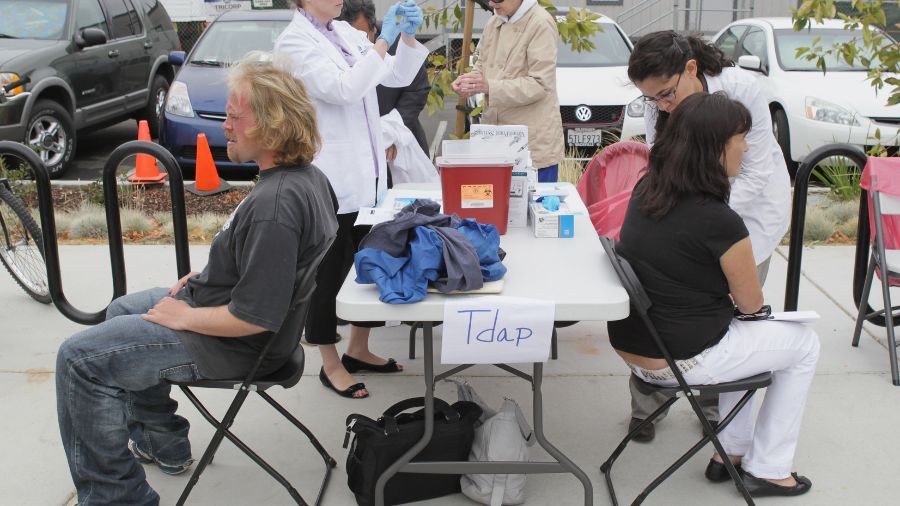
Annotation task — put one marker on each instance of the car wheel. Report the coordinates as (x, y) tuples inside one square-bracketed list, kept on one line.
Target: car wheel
[(51, 134), (783, 135), (153, 112)]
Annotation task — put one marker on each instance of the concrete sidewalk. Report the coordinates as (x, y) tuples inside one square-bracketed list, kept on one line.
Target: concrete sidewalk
[(848, 445)]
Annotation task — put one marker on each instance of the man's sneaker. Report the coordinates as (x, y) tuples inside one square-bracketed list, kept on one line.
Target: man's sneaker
[(145, 458)]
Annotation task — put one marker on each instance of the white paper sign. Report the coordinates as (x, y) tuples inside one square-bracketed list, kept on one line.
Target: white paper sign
[(496, 330)]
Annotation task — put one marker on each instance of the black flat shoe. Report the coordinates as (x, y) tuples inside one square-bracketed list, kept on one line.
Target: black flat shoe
[(759, 487), (352, 389), (645, 435), (717, 472), (353, 365)]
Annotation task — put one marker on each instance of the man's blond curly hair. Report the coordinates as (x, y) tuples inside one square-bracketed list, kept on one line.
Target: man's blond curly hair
[(285, 116)]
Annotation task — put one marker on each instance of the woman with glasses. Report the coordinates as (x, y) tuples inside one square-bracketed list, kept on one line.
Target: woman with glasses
[(516, 71), (667, 68), (692, 254)]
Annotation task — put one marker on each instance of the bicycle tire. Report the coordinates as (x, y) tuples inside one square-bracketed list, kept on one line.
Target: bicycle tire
[(22, 247)]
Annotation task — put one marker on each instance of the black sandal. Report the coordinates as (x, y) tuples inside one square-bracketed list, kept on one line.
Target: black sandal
[(353, 365), (352, 389), (759, 487)]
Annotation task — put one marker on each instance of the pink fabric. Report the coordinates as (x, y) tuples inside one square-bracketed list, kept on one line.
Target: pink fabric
[(883, 175), (605, 187)]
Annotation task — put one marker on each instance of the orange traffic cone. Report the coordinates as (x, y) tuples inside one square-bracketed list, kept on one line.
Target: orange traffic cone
[(146, 171), (207, 178)]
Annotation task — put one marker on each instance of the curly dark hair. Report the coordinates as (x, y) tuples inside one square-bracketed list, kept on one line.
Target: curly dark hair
[(687, 157)]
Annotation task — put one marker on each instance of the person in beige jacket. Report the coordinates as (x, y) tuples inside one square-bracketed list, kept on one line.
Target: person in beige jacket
[(516, 70)]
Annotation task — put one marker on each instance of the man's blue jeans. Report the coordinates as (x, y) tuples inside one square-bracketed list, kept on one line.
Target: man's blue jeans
[(109, 387)]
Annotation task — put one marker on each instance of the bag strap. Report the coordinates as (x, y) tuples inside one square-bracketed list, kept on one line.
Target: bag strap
[(417, 402), (498, 490), (524, 426), (449, 414)]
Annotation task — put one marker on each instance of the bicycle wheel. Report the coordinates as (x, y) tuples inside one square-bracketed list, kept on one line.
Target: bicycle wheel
[(22, 247)]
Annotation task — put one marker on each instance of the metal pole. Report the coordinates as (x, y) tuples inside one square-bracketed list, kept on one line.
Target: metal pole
[(461, 110)]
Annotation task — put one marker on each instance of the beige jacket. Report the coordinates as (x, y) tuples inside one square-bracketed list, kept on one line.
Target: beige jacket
[(519, 62)]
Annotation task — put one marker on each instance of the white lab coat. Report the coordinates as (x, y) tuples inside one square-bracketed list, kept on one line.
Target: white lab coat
[(411, 165), (761, 193), (346, 103)]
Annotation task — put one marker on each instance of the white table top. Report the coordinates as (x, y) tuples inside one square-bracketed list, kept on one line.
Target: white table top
[(574, 273)]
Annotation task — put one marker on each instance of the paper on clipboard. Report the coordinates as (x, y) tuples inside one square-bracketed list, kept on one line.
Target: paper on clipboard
[(795, 316)]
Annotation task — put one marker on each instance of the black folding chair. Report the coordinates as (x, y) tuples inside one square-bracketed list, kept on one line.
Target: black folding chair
[(286, 377), (640, 302)]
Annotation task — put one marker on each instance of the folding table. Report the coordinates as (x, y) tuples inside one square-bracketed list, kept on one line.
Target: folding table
[(573, 273)]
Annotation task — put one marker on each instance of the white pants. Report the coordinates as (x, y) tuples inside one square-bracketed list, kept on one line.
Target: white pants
[(790, 350)]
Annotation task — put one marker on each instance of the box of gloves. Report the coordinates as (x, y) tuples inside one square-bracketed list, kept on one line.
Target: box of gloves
[(551, 221)]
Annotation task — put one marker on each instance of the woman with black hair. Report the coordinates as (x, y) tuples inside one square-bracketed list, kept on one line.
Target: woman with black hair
[(692, 254), (668, 68)]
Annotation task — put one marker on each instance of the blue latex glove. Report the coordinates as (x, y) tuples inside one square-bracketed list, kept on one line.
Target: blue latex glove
[(390, 28), (412, 17)]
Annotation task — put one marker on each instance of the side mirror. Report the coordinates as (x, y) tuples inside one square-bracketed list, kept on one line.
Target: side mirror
[(176, 57), (90, 37), (750, 62)]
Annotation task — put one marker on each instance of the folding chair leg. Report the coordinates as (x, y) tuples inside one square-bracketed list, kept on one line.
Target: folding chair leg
[(329, 461), (412, 339), (889, 325), (221, 430), (553, 351), (864, 302)]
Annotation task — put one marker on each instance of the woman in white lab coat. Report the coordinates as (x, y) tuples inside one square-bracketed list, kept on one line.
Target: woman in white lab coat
[(340, 69), (667, 67)]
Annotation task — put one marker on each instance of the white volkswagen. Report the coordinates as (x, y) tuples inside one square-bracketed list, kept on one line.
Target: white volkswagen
[(598, 103), (809, 108)]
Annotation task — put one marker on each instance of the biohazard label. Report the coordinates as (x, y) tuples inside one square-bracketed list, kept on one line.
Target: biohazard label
[(476, 196)]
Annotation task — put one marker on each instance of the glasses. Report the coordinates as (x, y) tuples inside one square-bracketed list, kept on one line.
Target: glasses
[(667, 96)]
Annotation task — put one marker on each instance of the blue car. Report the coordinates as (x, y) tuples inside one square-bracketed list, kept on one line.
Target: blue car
[(197, 97)]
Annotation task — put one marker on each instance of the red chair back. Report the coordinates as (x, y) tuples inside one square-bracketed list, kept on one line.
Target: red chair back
[(605, 187)]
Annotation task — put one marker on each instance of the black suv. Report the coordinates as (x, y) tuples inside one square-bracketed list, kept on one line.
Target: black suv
[(84, 64)]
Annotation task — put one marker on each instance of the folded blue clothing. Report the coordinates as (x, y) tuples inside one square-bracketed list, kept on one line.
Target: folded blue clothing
[(420, 246)]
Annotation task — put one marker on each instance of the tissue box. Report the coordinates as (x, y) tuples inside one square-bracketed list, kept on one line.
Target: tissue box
[(544, 223), (519, 187)]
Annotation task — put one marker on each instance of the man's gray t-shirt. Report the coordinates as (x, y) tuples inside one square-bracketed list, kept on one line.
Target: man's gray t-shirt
[(282, 225)]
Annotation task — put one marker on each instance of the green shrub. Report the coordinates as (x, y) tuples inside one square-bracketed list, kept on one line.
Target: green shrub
[(849, 227), (88, 222), (134, 221), (841, 176), (842, 211), (210, 223), (819, 225)]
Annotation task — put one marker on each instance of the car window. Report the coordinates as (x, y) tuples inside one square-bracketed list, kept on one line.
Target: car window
[(123, 18), (33, 19), (788, 41), (611, 50), (226, 42), (754, 43), (89, 15), (727, 42)]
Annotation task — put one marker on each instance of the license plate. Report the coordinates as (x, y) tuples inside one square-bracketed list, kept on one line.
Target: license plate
[(584, 137)]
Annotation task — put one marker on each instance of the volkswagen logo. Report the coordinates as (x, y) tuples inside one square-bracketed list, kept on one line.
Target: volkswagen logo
[(583, 113)]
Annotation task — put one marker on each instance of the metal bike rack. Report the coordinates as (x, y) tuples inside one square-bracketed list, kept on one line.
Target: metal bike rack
[(798, 216), (114, 226)]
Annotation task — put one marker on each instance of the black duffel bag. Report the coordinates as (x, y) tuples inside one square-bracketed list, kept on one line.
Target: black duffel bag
[(379, 443)]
